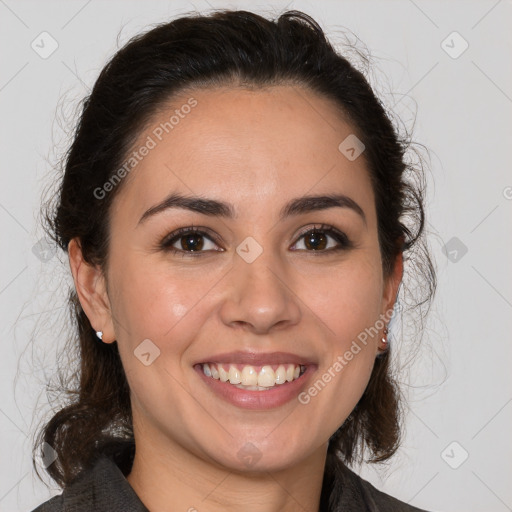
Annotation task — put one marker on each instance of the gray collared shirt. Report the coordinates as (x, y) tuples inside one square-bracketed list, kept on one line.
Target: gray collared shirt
[(101, 489), (104, 488)]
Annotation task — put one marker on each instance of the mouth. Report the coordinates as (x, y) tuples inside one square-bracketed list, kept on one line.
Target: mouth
[(256, 381), (253, 378)]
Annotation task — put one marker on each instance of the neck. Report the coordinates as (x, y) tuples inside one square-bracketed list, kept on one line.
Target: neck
[(175, 479)]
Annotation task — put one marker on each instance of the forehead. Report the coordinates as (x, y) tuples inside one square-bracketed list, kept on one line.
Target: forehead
[(252, 145)]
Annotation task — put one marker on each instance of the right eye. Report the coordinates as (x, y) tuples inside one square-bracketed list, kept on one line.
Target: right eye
[(190, 241)]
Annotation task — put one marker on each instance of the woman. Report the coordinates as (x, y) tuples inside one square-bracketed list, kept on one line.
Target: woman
[(236, 209)]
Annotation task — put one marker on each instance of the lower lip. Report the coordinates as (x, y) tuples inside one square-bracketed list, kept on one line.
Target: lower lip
[(247, 399)]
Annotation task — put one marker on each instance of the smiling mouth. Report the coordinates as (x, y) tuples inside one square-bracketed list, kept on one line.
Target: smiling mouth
[(253, 378)]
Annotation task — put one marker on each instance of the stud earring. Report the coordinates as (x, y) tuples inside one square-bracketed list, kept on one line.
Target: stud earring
[(384, 339), (99, 334)]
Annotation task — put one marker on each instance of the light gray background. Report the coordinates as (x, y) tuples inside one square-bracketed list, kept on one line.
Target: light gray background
[(459, 386)]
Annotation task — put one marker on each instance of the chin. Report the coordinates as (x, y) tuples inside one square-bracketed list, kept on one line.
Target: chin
[(260, 456)]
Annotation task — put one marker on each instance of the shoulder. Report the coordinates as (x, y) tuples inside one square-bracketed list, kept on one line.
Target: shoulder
[(52, 505), (375, 500), (101, 488)]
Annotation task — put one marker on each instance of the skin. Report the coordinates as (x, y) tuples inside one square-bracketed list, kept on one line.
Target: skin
[(257, 150)]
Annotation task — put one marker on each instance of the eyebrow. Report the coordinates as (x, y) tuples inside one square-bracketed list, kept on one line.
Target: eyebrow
[(215, 208)]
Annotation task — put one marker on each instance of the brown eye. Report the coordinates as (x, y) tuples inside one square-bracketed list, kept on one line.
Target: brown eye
[(192, 242), (187, 241), (315, 240), (318, 239)]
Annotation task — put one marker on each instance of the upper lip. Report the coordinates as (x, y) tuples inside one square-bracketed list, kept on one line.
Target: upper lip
[(256, 358)]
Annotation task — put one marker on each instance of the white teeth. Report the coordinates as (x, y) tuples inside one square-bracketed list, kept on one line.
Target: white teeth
[(234, 375), (281, 375), (251, 388), (250, 378), (266, 377), (224, 375)]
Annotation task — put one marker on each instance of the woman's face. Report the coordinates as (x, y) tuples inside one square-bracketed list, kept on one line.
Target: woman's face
[(253, 290)]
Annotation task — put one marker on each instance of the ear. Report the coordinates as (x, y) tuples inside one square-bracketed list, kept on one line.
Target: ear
[(91, 288), (392, 283)]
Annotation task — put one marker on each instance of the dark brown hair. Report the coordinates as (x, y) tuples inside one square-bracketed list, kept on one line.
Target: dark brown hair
[(237, 48)]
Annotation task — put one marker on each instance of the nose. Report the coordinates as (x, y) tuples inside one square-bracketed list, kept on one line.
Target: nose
[(259, 296)]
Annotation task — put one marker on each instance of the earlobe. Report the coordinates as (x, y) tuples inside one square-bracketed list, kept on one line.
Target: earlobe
[(390, 293), (91, 289)]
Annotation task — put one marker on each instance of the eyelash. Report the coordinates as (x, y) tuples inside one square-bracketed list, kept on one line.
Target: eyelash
[(340, 237)]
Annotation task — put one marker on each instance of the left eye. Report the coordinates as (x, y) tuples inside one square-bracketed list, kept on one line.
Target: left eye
[(317, 239)]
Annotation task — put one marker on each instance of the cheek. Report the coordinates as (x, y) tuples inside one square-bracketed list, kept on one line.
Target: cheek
[(168, 310), (348, 302), (155, 300), (346, 299)]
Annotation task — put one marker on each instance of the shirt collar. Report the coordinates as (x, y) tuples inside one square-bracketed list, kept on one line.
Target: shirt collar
[(104, 487)]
